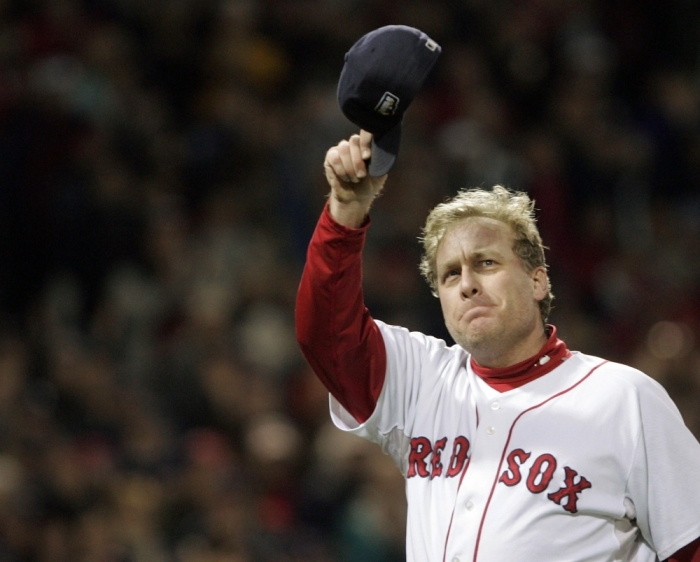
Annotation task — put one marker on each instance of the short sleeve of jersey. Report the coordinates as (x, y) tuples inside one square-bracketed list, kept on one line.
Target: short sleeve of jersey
[(664, 480), (422, 372)]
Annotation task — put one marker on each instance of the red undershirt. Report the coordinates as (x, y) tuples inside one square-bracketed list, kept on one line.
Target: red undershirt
[(345, 348)]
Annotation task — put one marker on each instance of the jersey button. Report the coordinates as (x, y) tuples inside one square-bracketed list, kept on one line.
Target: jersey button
[(495, 406), (470, 505), (455, 559), (490, 430)]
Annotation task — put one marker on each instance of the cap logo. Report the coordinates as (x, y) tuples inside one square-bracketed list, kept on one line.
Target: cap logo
[(388, 104), (432, 45)]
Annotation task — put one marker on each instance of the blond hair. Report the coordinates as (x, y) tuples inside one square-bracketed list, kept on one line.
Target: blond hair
[(513, 208)]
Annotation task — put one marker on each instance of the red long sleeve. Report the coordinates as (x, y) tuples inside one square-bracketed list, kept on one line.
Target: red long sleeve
[(689, 553), (334, 329)]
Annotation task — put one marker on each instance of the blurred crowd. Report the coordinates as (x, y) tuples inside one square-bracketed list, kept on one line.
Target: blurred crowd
[(160, 177)]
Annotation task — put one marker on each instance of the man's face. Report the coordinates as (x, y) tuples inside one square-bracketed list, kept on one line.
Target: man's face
[(488, 298)]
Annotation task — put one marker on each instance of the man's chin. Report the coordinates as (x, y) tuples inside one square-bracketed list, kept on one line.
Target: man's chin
[(479, 333)]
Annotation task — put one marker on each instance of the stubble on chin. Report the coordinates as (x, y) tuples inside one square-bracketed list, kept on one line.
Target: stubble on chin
[(474, 339), (491, 343)]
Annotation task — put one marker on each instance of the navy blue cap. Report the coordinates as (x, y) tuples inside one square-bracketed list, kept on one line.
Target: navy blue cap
[(383, 73)]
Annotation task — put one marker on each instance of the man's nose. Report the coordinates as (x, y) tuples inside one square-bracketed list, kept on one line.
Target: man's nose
[(469, 284)]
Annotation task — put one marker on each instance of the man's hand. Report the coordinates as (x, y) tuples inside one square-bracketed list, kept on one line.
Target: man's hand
[(352, 190)]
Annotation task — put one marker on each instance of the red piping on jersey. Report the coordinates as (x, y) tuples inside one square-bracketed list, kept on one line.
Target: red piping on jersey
[(505, 448), (454, 507)]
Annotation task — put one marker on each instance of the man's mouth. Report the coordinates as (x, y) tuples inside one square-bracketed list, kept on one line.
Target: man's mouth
[(476, 312)]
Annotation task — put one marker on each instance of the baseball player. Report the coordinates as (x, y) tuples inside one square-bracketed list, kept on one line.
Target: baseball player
[(514, 448)]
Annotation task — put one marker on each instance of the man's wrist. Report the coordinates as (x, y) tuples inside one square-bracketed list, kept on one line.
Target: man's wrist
[(352, 198), (350, 212)]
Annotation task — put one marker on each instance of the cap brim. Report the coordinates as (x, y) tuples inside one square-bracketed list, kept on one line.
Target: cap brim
[(385, 149)]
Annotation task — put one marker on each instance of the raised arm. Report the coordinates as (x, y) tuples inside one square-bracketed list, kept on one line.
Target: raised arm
[(335, 331)]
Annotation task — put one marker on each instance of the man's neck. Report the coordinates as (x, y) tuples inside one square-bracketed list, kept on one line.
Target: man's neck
[(548, 358), (498, 358)]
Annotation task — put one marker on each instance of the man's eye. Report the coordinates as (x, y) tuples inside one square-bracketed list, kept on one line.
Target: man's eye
[(487, 263)]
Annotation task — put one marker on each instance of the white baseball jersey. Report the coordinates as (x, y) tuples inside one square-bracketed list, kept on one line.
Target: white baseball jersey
[(590, 462)]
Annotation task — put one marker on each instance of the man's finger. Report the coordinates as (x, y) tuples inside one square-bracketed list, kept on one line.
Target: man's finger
[(334, 164), (365, 144), (348, 168), (355, 154)]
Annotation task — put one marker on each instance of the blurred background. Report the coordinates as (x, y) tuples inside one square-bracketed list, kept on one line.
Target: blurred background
[(160, 177)]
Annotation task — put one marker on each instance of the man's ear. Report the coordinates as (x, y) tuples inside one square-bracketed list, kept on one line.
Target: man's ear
[(540, 283)]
